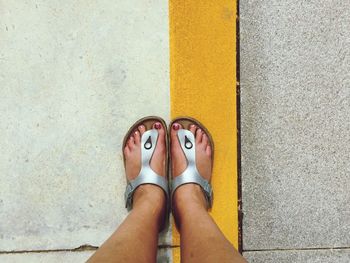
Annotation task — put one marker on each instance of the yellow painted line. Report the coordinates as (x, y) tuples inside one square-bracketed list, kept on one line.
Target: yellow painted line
[(176, 254), (203, 85)]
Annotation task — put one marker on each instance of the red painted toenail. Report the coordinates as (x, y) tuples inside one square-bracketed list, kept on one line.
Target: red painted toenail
[(157, 125), (176, 126)]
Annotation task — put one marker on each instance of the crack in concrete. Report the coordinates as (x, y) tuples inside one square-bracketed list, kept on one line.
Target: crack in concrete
[(85, 247)]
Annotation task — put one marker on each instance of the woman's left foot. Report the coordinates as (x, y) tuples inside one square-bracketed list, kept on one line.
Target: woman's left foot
[(188, 197)]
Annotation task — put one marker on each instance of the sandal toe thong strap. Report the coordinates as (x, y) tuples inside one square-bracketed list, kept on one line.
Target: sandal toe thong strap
[(191, 174), (146, 175)]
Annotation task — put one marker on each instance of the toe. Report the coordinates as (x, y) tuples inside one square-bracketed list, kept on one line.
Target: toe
[(126, 151), (204, 140), (159, 156), (131, 142), (174, 129), (193, 129), (142, 129), (137, 137), (161, 130), (176, 126), (158, 126), (208, 150), (178, 158), (199, 135), (173, 134)]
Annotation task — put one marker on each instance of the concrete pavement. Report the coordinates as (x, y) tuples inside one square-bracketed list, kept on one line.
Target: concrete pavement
[(74, 76), (295, 87)]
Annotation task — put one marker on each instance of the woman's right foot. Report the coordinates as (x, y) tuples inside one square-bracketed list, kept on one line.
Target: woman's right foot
[(190, 196), (147, 195)]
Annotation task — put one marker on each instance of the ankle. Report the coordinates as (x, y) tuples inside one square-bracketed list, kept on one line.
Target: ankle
[(149, 197), (188, 199)]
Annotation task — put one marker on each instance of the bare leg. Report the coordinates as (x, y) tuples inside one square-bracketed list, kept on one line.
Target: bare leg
[(201, 239), (136, 239)]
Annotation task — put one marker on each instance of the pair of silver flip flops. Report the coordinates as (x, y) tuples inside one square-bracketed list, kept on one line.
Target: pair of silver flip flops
[(148, 144)]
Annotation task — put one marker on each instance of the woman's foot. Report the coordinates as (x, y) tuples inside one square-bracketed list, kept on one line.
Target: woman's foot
[(190, 196), (147, 196)]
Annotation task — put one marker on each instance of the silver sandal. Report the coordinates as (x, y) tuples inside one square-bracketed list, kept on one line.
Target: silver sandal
[(148, 144), (188, 146)]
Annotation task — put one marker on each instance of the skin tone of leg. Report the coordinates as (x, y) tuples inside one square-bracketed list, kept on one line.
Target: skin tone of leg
[(136, 239), (201, 239)]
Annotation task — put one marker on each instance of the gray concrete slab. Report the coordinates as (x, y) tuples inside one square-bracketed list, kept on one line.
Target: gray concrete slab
[(165, 255), (73, 76), (295, 256), (295, 84), (52, 257)]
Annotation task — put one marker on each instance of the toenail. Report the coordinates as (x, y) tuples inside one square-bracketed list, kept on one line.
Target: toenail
[(199, 130), (157, 125), (140, 127), (135, 132), (192, 126), (176, 126)]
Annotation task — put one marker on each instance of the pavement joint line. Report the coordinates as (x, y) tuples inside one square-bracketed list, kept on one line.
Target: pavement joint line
[(168, 246), (297, 249), (239, 138)]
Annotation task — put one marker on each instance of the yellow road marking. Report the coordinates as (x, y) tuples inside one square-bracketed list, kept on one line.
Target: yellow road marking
[(203, 85)]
